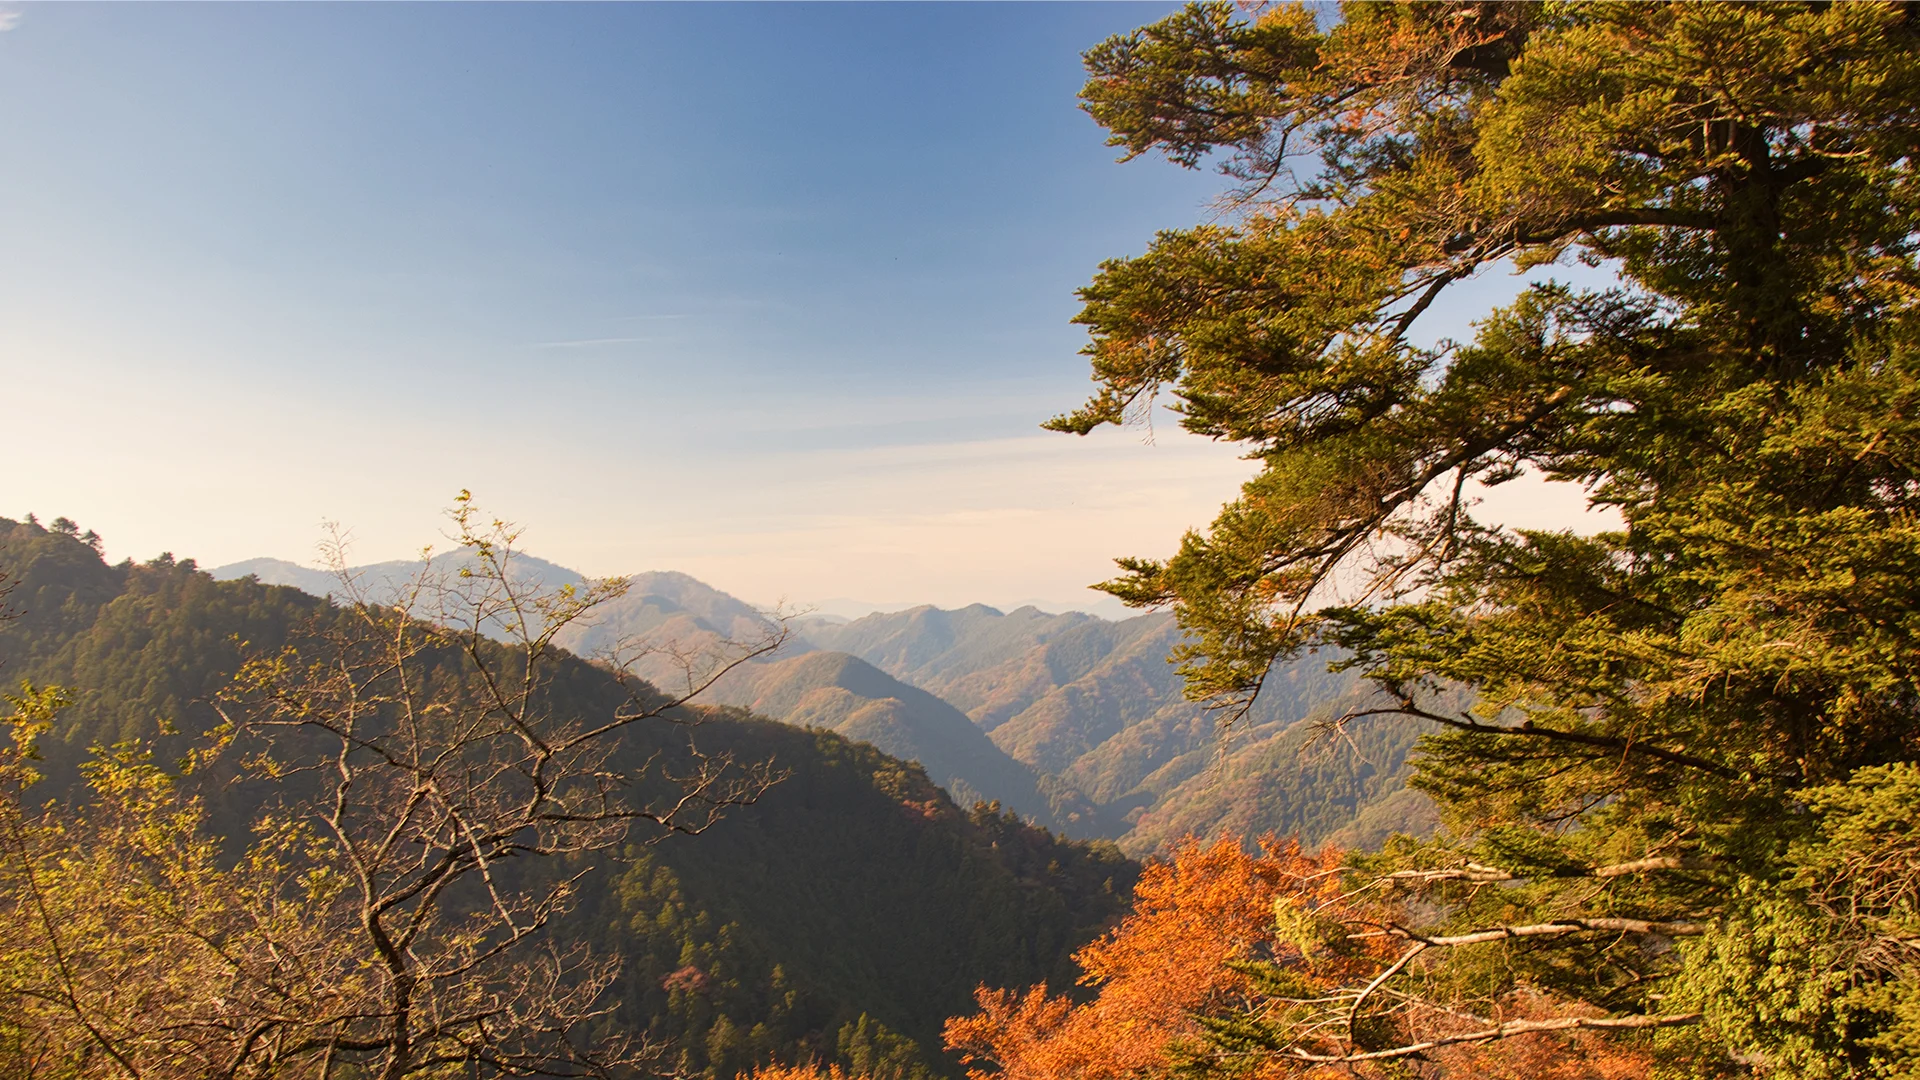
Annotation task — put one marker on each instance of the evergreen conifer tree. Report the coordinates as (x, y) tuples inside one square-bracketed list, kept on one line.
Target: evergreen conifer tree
[(1676, 799)]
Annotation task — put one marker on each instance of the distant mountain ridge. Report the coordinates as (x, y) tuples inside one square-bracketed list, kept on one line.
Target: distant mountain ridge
[(1074, 721), (846, 695), (798, 685), (1096, 704)]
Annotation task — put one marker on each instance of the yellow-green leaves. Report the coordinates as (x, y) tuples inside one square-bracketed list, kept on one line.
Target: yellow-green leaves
[(30, 713)]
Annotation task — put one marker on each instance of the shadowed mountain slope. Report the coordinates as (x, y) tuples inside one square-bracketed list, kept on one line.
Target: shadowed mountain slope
[(1077, 722), (1097, 704), (671, 627), (854, 906), (851, 697)]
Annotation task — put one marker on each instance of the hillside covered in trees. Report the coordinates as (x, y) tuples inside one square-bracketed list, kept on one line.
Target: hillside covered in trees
[(840, 917), (1075, 722), (1099, 706)]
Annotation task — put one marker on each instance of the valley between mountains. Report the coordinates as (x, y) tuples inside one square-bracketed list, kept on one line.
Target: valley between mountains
[(1074, 722)]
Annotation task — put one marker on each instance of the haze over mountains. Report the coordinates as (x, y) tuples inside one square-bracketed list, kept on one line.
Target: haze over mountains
[(1073, 721)]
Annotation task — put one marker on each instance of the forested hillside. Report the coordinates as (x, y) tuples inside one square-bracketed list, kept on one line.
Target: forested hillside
[(664, 616), (1543, 705), (847, 695), (842, 916), (1076, 722), (1098, 705)]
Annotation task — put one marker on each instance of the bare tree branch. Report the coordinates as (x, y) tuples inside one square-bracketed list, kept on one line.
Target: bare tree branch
[(1503, 1031)]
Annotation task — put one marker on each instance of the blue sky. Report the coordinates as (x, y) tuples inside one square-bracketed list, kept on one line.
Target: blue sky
[(772, 294)]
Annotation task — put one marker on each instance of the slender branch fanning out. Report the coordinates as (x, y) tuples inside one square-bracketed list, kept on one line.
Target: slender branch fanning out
[(435, 778)]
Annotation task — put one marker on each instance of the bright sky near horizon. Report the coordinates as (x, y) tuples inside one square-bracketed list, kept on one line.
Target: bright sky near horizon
[(773, 295)]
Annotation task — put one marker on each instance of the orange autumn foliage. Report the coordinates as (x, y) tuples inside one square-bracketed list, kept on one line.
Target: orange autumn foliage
[(1166, 961), (1173, 959)]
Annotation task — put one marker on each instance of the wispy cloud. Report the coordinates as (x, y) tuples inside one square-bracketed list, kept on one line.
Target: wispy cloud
[(587, 343), (9, 20)]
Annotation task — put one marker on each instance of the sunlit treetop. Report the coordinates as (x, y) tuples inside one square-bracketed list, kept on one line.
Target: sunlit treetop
[(1747, 169)]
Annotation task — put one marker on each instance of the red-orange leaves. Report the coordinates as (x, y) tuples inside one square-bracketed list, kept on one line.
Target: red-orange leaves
[(1257, 967), (1166, 963), (1022, 1036)]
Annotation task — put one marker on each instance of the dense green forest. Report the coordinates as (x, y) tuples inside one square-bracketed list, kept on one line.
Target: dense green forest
[(842, 917)]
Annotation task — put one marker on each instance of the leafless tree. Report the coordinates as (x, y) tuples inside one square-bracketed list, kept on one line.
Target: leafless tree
[(441, 772)]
